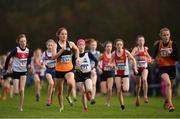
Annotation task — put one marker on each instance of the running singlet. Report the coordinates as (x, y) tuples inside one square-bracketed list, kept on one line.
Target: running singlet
[(85, 65), (47, 58), (64, 61), (165, 58), (105, 63), (37, 67), (96, 55), (122, 67), (141, 58), (20, 60)]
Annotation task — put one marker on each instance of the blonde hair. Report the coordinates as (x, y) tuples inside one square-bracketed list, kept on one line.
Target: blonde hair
[(162, 30), (92, 40), (50, 40), (36, 51)]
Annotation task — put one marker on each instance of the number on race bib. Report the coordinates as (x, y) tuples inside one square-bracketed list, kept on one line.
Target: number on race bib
[(65, 58), (51, 64), (23, 62), (121, 67), (107, 68), (141, 64)]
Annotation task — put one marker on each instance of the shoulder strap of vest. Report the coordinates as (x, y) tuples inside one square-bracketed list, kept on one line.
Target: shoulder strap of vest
[(124, 55)]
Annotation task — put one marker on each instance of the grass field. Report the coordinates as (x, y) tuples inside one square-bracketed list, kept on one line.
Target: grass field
[(32, 108)]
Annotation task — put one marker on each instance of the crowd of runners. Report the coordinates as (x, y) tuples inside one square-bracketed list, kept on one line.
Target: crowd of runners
[(81, 64)]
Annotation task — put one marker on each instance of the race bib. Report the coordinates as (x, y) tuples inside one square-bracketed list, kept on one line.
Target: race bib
[(51, 64), (107, 68), (85, 68), (141, 64), (164, 52), (65, 58), (23, 63), (121, 67)]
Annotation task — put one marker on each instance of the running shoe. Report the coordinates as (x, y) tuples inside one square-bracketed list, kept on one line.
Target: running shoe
[(93, 101), (74, 99), (122, 107), (146, 100), (69, 100), (107, 104), (20, 109), (37, 97), (86, 109), (171, 108), (60, 109), (49, 102)]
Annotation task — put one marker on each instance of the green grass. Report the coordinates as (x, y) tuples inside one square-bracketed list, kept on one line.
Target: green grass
[(32, 108)]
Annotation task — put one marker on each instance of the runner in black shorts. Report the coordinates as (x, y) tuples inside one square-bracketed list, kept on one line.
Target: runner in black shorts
[(21, 63), (83, 73), (167, 53), (107, 72)]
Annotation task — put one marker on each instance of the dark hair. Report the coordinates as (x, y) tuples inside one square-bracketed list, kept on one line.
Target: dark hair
[(89, 41), (117, 40), (92, 40), (139, 36), (107, 42), (59, 31), (19, 37)]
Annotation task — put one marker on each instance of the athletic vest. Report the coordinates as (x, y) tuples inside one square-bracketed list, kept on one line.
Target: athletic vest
[(122, 67), (165, 58), (105, 62), (36, 68), (49, 62), (64, 61), (96, 55), (141, 59), (85, 65), (20, 60)]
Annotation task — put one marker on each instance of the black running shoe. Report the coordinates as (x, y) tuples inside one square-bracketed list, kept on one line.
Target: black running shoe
[(122, 107), (37, 97), (93, 102), (69, 100)]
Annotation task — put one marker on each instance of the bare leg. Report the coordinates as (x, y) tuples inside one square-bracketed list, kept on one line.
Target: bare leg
[(16, 86), (145, 84), (94, 80), (60, 82), (166, 78), (119, 91), (81, 88), (71, 84), (109, 90), (50, 88), (37, 86), (103, 85), (21, 91), (138, 89)]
